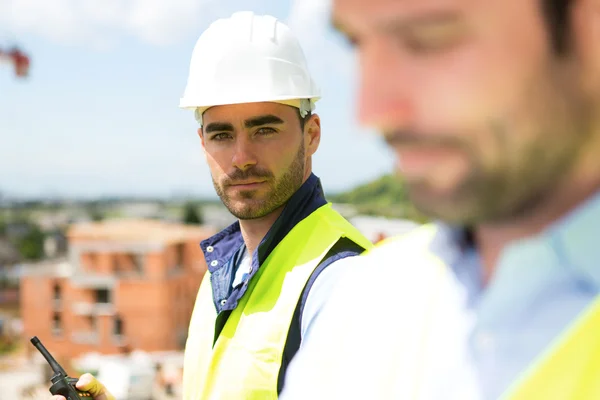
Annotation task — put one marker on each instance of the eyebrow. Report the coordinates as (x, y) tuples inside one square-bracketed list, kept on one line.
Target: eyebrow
[(401, 24), (249, 123), (218, 127), (430, 19), (262, 120)]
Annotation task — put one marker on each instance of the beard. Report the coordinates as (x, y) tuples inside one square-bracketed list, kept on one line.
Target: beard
[(253, 204), (518, 157)]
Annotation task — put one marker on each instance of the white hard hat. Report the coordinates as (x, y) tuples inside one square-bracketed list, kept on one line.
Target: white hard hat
[(248, 58)]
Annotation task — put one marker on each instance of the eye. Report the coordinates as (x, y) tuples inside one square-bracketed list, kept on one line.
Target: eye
[(266, 131), (220, 136), (432, 38)]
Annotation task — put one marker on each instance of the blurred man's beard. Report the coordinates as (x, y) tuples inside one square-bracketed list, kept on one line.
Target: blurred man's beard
[(524, 175)]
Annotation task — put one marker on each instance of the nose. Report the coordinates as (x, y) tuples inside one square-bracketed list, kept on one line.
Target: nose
[(384, 94), (244, 156)]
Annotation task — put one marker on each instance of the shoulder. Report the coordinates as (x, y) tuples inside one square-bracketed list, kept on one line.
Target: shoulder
[(398, 298), (322, 281), (402, 274), (331, 266)]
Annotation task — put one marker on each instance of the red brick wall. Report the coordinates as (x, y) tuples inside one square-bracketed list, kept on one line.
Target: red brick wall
[(155, 308)]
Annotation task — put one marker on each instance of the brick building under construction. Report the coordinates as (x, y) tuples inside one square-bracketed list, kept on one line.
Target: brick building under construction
[(126, 285)]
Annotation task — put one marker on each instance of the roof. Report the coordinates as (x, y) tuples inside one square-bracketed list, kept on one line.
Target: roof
[(137, 230), (48, 268)]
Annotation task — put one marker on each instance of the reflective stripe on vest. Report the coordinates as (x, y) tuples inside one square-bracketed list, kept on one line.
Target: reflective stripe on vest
[(245, 360)]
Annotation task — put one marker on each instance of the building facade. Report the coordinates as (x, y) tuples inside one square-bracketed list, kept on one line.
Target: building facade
[(125, 285)]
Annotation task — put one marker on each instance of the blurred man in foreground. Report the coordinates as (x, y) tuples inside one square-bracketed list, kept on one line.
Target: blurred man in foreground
[(493, 110)]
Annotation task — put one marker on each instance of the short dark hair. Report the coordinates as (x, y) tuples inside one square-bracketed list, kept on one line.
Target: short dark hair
[(557, 14)]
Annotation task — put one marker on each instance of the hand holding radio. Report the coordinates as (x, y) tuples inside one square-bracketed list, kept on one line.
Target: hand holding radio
[(66, 388)]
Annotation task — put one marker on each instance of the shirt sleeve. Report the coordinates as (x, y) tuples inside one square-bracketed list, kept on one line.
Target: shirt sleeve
[(318, 354)]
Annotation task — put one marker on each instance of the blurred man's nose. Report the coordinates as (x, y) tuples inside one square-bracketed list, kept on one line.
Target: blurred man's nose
[(384, 92)]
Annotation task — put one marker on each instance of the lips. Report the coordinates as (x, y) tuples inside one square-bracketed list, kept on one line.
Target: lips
[(246, 183)]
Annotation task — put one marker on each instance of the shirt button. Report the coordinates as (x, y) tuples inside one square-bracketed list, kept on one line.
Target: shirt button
[(223, 302), (214, 263), (210, 249)]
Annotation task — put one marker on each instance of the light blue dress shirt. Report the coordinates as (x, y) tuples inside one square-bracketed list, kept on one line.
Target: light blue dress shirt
[(477, 339)]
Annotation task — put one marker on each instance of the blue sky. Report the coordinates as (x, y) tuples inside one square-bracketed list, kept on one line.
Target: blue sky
[(99, 114)]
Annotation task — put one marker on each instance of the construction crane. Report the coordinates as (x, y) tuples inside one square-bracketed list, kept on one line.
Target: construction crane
[(19, 60)]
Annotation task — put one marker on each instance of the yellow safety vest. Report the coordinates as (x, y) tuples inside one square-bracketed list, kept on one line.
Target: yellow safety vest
[(569, 369), (245, 359)]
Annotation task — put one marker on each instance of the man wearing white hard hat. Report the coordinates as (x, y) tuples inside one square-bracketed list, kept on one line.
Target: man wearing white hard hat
[(270, 272), (253, 96)]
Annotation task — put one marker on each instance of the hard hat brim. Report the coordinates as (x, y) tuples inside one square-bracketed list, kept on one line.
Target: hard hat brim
[(193, 105)]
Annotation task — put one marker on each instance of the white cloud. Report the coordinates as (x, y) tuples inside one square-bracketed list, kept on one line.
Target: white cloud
[(309, 18), (160, 22), (100, 22), (310, 21)]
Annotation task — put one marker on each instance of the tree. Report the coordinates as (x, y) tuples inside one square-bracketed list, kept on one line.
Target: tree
[(386, 196), (31, 245), (192, 214), (94, 211)]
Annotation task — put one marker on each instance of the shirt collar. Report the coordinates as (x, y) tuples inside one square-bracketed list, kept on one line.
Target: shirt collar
[(573, 240)]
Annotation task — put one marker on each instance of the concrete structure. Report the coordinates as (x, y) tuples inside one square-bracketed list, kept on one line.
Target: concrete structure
[(125, 285)]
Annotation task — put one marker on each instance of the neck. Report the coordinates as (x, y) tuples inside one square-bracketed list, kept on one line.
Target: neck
[(254, 230), (575, 189)]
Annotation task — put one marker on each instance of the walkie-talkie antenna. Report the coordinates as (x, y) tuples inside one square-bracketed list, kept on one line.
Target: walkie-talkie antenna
[(58, 370), (62, 384)]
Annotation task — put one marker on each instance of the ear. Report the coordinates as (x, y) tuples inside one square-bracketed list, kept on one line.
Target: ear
[(312, 134), (201, 134), (585, 21)]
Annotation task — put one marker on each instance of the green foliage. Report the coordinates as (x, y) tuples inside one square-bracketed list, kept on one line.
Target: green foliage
[(94, 211), (384, 191), (386, 196), (18, 228), (31, 245), (192, 214)]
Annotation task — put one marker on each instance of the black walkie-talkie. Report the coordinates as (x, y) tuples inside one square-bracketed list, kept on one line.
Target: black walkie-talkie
[(61, 383)]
